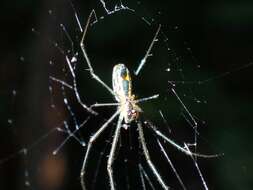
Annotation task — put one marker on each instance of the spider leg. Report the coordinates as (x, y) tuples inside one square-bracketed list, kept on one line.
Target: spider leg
[(112, 152), (180, 148), (147, 98), (147, 157), (63, 83), (91, 141), (104, 104), (171, 165), (76, 89), (144, 59), (96, 77), (144, 174), (198, 169)]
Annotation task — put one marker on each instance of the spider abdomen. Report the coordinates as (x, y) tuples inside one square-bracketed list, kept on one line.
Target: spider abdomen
[(122, 87), (121, 82)]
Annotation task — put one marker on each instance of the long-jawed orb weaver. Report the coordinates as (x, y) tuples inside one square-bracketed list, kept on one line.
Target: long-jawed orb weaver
[(128, 111)]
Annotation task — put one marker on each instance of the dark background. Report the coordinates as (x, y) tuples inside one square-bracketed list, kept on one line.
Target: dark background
[(217, 35)]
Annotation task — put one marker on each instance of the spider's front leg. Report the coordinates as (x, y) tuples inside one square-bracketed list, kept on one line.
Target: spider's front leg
[(96, 77), (148, 54)]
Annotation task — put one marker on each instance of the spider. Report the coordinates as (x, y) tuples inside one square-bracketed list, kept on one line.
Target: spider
[(128, 111)]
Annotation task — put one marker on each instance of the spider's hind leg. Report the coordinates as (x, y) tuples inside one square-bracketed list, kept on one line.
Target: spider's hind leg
[(91, 141), (112, 152), (147, 157)]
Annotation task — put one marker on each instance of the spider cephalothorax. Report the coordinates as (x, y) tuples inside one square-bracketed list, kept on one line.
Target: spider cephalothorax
[(122, 87)]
